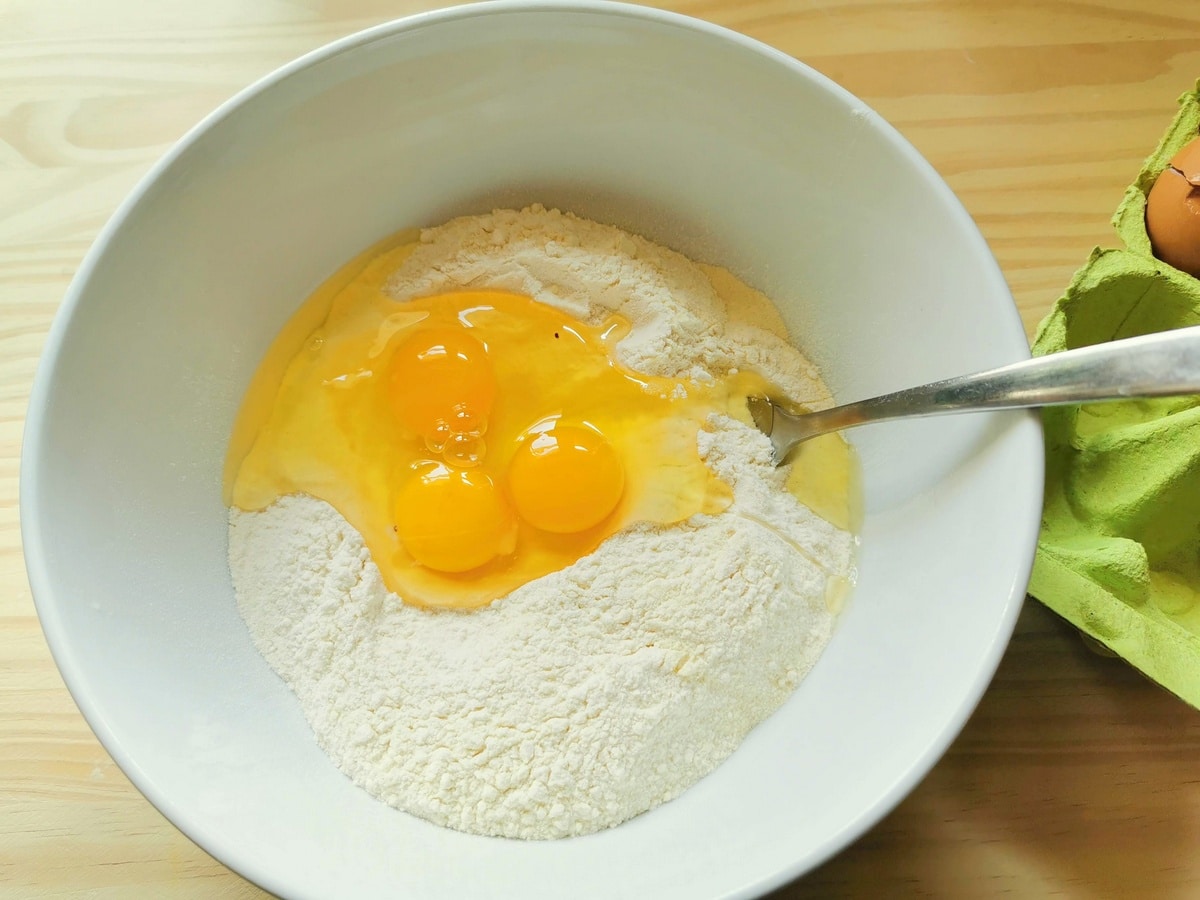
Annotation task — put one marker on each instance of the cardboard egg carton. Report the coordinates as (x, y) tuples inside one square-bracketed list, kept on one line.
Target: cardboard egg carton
[(1119, 550)]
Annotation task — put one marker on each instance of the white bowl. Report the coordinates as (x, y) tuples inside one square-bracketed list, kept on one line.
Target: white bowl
[(701, 139)]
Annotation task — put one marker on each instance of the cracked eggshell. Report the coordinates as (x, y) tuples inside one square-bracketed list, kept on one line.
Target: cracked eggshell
[(1173, 211), (1130, 217)]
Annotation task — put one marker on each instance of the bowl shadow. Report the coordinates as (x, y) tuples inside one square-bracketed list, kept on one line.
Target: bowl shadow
[(1075, 774)]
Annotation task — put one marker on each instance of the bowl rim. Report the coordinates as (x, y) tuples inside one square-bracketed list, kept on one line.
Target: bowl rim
[(31, 530)]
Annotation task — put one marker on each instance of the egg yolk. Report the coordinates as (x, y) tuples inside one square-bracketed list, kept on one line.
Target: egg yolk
[(565, 479), (477, 440), (442, 384), (453, 520)]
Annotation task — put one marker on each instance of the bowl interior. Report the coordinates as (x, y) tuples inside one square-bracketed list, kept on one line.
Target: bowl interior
[(703, 141)]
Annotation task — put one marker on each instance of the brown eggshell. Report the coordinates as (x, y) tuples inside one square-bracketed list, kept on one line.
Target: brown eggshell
[(1187, 161), (1173, 211)]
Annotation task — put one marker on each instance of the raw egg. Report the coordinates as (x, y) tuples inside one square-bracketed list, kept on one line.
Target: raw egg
[(1173, 211), (476, 440), (453, 520), (456, 379), (565, 479)]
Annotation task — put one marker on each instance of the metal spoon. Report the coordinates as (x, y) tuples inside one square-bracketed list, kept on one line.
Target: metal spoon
[(1154, 365)]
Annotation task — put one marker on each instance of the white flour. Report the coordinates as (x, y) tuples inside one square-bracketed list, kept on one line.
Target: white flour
[(596, 692)]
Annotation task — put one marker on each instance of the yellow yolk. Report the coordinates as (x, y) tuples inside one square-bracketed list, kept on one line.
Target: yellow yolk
[(565, 479), (453, 520), (476, 440), (454, 380)]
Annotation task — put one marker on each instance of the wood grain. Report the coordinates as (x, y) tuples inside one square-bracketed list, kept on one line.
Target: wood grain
[(1075, 777)]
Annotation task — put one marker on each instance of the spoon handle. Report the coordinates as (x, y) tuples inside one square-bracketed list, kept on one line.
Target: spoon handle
[(1154, 365)]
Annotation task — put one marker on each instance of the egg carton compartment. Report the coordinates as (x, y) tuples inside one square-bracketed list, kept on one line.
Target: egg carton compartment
[(1119, 550), (1130, 217)]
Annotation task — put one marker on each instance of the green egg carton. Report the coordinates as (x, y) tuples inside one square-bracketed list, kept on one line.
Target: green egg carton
[(1119, 550)]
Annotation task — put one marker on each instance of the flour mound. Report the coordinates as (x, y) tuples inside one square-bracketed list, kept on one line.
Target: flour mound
[(682, 326), (571, 705), (597, 692)]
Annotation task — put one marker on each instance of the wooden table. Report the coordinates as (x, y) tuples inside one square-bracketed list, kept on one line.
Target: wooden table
[(1075, 778)]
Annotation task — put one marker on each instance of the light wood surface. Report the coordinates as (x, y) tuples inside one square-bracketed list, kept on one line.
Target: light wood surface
[(1075, 778)]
